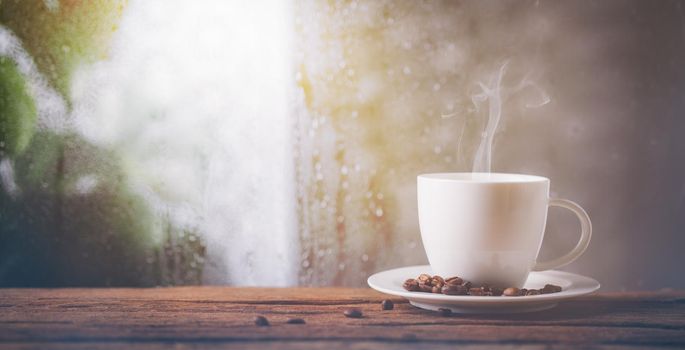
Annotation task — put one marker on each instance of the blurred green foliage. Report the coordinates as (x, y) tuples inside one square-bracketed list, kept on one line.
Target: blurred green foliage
[(74, 220), (63, 36), (17, 110), (62, 230)]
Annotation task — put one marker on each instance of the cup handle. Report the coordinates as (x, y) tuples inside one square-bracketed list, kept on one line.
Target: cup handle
[(585, 234)]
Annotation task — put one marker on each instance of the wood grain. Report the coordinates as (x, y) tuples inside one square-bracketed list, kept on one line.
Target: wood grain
[(221, 317)]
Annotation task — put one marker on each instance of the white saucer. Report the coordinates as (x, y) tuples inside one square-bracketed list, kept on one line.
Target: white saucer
[(573, 285)]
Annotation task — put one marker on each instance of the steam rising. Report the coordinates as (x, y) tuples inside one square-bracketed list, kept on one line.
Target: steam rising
[(495, 95)]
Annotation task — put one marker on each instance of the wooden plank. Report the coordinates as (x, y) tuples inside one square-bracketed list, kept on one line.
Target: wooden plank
[(307, 345), (222, 315), (258, 294)]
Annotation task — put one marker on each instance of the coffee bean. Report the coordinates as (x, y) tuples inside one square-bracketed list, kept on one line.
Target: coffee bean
[(437, 281), (426, 288), (478, 292), (411, 285), (457, 286), (353, 313), (550, 288), (454, 289), (424, 278), (261, 321), (387, 305), (444, 311), (511, 292), (439, 278), (295, 321), (496, 291), (483, 291), (454, 281)]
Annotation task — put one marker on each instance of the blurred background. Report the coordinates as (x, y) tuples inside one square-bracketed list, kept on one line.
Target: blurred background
[(278, 142)]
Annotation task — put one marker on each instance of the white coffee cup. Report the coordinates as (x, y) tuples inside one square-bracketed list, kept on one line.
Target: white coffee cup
[(488, 227)]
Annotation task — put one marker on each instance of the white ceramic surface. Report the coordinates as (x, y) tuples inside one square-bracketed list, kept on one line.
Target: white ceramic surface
[(488, 227), (573, 285)]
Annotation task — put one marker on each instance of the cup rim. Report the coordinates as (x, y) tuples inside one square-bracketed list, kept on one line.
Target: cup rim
[(482, 178)]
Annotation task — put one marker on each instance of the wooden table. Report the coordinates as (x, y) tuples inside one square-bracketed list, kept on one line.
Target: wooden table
[(222, 317)]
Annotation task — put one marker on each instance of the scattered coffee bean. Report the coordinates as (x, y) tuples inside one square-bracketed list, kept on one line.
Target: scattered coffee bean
[(444, 311), (454, 289), (550, 288), (486, 291), (261, 321), (511, 292), (476, 292), (295, 321), (387, 305), (426, 288), (424, 278), (496, 291), (457, 286), (437, 281), (454, 281), (353, 313), (411, 285)]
